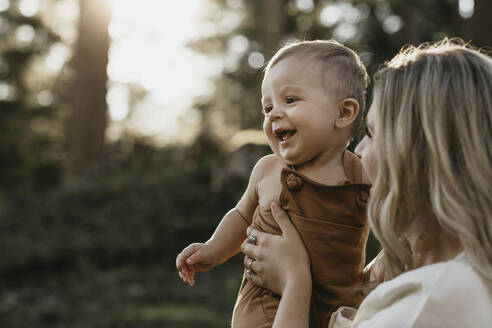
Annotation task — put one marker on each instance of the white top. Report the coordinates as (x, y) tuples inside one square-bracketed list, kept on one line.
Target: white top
[(445, 294)]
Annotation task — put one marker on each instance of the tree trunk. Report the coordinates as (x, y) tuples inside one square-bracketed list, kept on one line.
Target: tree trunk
[(272, 25), (86, 123)]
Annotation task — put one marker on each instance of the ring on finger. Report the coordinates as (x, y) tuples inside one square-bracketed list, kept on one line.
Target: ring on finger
[(252, 238)]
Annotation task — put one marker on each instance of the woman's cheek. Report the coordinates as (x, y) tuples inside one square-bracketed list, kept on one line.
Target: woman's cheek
[(370, 164), (367, 154)]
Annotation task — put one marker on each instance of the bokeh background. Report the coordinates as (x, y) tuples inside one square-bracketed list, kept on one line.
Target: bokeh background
[(128, 128)]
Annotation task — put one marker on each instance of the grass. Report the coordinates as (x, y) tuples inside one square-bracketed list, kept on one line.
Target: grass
[(127, 295)]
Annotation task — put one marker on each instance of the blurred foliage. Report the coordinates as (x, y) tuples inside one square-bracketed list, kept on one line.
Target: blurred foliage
[(98, 250), (30, 117), (376, 29)]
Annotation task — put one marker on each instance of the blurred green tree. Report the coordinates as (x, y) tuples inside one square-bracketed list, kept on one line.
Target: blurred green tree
[(30, 141), (53, 116), (376, 29)]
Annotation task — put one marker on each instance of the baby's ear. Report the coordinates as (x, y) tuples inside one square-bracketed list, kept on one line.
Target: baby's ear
[(348, 109)]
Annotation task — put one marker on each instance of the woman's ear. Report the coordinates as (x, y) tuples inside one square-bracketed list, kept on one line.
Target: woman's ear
[(348, 109)]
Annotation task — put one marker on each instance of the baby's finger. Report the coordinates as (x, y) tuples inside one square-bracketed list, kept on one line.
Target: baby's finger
[(190, 250), (187, 277), (192, 280), (193, 259), (247, 261), (185, 253), (179, 262)]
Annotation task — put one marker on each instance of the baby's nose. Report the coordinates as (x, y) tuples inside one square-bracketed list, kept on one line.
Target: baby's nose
[(276, 113)]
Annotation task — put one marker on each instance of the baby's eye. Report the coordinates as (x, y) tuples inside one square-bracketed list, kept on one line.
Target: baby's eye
[(290, 100), (267, 109), (367, 132)]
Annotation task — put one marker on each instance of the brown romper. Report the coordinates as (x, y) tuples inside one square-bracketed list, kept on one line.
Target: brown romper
[(332, 223)]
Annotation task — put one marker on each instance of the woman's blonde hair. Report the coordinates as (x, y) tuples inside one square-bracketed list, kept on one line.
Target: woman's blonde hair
[(433, 105)]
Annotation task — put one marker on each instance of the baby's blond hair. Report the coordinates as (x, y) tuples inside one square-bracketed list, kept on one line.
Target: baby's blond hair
[(351, 77), (433, 105)]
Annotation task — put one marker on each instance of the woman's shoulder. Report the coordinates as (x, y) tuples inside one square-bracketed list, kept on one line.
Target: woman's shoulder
[(449, 293)]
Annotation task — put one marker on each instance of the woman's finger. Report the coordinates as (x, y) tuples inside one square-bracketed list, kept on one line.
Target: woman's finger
[(282, 219), (247, 261), (255, 279), (253, 235), (249, 250), (250, 230), (252, 264)]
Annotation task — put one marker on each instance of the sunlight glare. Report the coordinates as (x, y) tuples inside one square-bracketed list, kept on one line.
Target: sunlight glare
[(305, 5), (333, 14), (364, 10), (330, 15), (231, 64), (25, 33), (344, 32), (59, 53), (235, 4), (4, 5), (122, 56), (45, 98), (119, 97), (7, 92), (65, 25), (256, 59), (4, 91), (392, 24), (237, 45), (28, 8), (466, 8), (149, 50)]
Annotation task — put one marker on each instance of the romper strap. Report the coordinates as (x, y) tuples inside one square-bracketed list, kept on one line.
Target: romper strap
[(354, 168)]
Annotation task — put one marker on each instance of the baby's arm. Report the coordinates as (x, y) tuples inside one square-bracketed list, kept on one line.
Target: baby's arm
[(227, 238)]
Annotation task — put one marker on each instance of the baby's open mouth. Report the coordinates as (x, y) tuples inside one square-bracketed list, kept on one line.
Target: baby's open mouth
[(284, 134)]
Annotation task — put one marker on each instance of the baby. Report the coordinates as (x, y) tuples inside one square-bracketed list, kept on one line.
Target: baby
[(313, 101)]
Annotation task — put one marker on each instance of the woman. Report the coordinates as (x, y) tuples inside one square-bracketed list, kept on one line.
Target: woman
[(428, 152)]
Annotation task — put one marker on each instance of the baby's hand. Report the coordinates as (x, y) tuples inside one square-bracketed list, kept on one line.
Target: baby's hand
[(197, 257)]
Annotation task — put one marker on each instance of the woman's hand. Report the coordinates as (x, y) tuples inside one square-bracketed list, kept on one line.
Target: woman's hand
[(278, 262)]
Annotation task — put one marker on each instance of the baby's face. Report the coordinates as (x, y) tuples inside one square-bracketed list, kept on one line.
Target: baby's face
[(299, 111)]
